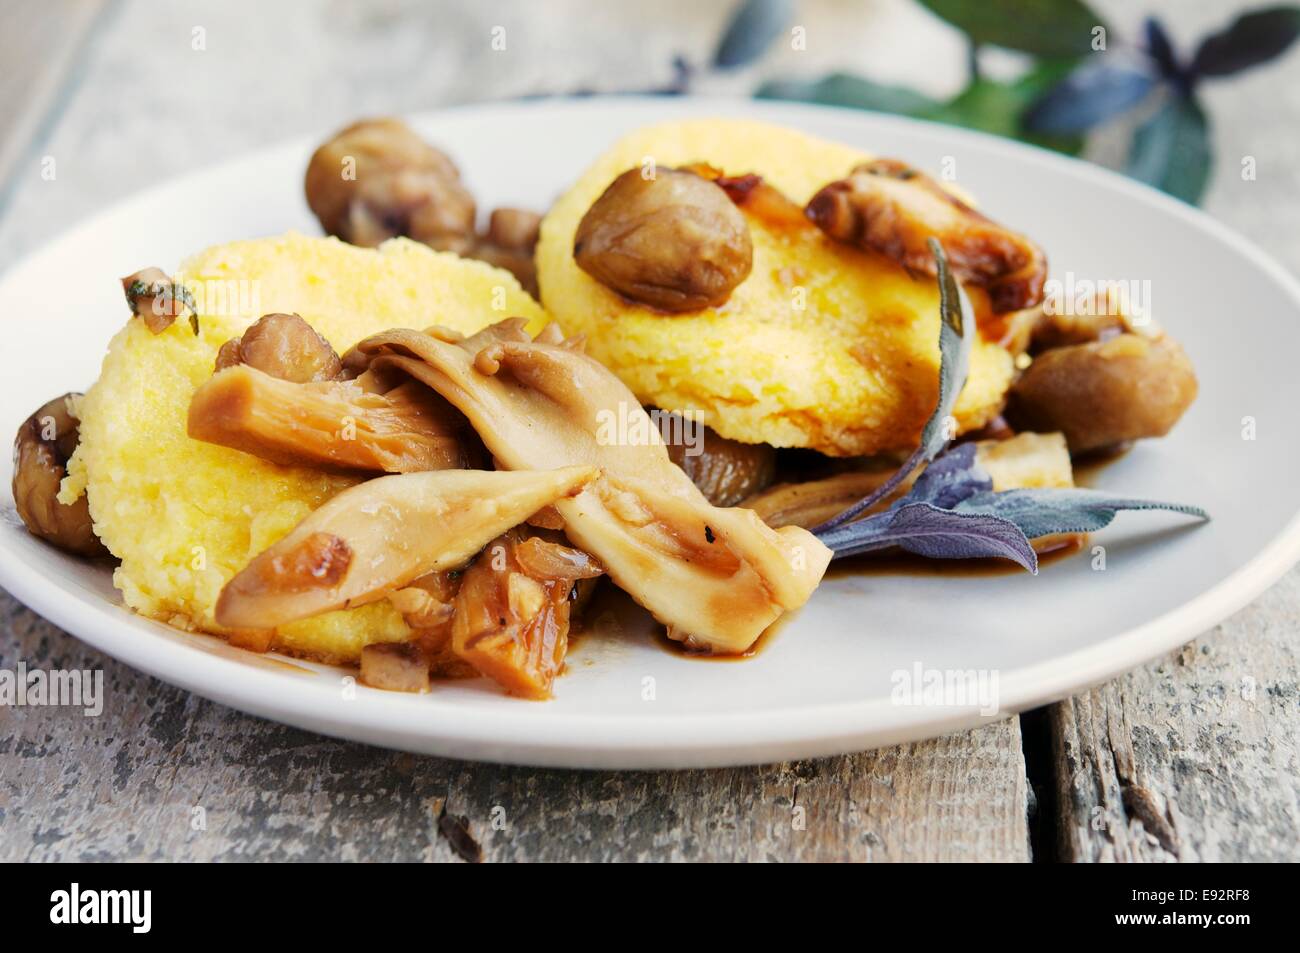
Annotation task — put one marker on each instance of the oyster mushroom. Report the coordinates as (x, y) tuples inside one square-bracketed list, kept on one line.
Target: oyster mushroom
[(42, 447), (717, 577), (333, 425), (379, 536), (887, 207)]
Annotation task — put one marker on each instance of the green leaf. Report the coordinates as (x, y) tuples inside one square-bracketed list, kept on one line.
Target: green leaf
[(999, 108), (1053, 28), (1172, 150), (844, 89)]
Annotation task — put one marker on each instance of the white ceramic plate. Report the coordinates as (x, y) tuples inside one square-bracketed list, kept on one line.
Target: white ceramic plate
[(824, 683)]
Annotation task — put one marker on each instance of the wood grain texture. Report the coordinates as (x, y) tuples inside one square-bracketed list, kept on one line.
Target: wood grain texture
[(1195, 758), (162, 774)]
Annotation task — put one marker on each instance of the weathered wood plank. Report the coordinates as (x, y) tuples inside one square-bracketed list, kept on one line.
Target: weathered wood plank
[(1194, 758), (163, 774)]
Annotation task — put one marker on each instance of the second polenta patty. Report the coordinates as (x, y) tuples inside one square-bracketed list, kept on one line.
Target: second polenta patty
[(821, 346)]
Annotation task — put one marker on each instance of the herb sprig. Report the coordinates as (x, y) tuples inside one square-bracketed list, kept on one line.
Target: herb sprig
[(952, 510)]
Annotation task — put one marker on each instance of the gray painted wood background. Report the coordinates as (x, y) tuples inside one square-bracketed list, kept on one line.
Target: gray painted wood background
[(1192, 757)]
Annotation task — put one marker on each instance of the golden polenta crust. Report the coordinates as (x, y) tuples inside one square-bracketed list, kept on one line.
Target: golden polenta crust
[(821, 346), (184, 516)]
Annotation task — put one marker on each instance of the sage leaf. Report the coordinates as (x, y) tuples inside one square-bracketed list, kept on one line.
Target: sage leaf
[(998, 107), (1090, 95), (934, 532), (951, 478), (1172, 150), (1161, 50), (1251, 39), (1045, 512), (1046, 28), (751, 31), (844, 89), (956, 337)]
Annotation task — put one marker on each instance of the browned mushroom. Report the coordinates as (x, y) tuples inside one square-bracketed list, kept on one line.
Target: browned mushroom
[(377, 179), (726, 471), (672, 240), (1105, 393), (891, 208), (334, 425), (284, 346), (379, 536), (44, 443), (513, 610), (509, 242), (158, 300)]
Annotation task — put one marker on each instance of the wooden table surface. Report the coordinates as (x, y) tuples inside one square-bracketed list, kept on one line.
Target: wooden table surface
[(1192, 757)]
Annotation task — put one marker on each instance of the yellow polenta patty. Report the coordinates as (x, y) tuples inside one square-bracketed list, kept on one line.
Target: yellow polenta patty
[(184, 516), (821, 346)]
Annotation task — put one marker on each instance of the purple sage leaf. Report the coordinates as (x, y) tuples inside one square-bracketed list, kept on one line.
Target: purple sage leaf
[(956, 338), (936, 533), (1253, 38), (951, 478), (1045, 512)]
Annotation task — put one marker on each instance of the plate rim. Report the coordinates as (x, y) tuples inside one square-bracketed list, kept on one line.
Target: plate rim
[(663, 740)]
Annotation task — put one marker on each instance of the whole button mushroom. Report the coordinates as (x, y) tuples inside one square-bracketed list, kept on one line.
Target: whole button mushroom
[(1105, 393), (377, 179), (44, 443), (674, 241)]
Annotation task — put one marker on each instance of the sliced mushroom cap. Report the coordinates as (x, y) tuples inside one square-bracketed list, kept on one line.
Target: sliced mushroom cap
[(888, 207), (1105, 393), (377, 179), (377, 537), (44, 443), (720, 576), (672, 240)]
